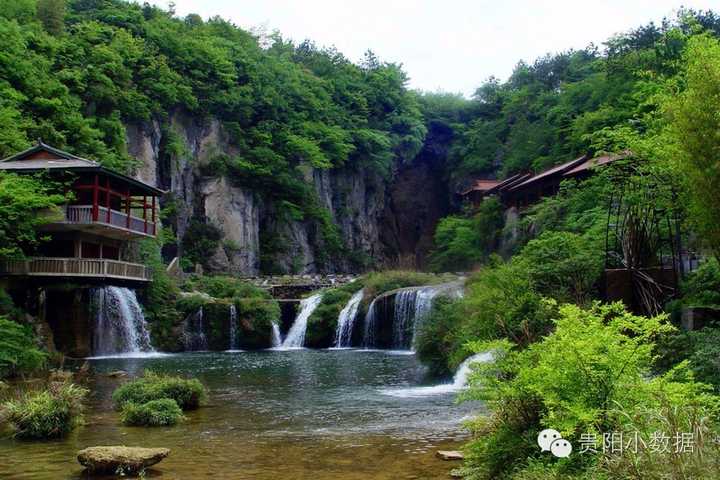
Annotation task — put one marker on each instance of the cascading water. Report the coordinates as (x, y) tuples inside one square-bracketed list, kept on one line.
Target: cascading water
[(120, 326), (411, 306), (404, 317), (370, 317), (346, 320), (194, 331), (424, 298), (296, 335), (234, 340), (460, 380), (276, 337)]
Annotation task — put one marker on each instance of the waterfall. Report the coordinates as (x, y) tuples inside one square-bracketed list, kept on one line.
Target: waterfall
[(194, 331), (404, 317), (120, 326), (276, 337), (370, 317), (411, 306), (460, 380), (346, 320), (234, 341), (425, 297), (296, 335)]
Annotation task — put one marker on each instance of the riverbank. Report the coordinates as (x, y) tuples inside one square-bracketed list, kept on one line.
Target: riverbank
[(293, 414)]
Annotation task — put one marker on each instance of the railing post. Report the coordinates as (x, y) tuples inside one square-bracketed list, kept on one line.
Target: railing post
[(95, 198)]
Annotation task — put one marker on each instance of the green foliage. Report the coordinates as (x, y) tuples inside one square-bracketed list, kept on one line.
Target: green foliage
[(322, 324), (51, 13), (155, 413), (589, 376), (695, 124), (224, 287), (377, 283), (256, 316), (701, 288), (562, 265), (500, 302), (200, 241), (187, 393), (461, 242), (18, 350), (26, 203), (701, 349), (50, 413)]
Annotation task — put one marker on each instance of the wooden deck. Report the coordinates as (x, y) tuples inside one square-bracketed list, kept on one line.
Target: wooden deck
[(103, 221), (90, 268)]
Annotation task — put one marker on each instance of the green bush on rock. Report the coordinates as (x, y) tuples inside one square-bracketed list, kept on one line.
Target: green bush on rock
[(187, 393), (18, 350), (155, 413), (377, 283), (50, 413)]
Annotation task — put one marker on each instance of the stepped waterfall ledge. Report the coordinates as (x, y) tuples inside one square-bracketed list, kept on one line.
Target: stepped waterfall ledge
[(234, 340), (346, 320), (119, 326), (296, 335), (194, 335)]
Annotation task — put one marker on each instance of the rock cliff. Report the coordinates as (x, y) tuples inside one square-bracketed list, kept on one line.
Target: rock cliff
[(382, 220)]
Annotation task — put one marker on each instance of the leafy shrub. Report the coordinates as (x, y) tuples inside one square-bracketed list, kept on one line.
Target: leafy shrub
[(187, 393), (377, 283), (702, 287), (589, 376), (322, 324), (438, 338), (155, 413), (463, 241), (256, 317), (562, 265), (200, 241), (49, 413), (225, 287), (18, 351), (701, 349)]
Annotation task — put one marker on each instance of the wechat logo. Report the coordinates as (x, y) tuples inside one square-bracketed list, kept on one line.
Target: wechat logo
[(551, 440)]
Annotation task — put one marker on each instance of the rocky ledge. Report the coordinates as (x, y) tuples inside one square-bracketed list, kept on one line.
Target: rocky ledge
[(120, 459)]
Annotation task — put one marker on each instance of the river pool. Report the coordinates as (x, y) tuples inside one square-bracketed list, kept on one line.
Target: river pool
[(315, 414)]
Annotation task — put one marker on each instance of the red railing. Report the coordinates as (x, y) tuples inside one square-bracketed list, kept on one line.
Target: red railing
[(85, 214)]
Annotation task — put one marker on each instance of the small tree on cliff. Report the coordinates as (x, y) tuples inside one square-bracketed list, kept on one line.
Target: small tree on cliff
[(25, 203)]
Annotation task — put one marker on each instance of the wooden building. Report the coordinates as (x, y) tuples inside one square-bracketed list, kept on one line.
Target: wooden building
[(88, 240), (524, 189)]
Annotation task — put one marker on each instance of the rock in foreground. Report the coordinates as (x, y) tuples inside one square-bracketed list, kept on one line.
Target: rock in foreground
[(120, 459), (449, 455)]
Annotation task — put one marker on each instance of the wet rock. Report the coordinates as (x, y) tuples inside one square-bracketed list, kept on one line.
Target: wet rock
[(117, 374), (449, 454), (120, 459)]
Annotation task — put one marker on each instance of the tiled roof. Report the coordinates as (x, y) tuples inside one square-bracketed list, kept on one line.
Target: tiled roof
[(556, 170), (44, 157)]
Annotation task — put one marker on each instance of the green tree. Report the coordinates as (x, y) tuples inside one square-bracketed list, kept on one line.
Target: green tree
[(695, 123), (52, 15), (26, 203)]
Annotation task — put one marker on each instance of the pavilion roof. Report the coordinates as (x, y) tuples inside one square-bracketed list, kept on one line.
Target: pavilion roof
[(44, 157)]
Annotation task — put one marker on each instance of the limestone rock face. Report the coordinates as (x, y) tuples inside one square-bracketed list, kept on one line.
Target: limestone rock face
[(120, 459), (235, 212), (380, 218)]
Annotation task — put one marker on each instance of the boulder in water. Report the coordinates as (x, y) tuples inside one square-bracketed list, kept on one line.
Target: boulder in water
[(449, 454), (120, 459)]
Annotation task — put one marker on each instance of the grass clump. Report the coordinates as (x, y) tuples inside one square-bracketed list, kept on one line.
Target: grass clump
[(155, 413), (188, 394), (50, 413), (378, 283)]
